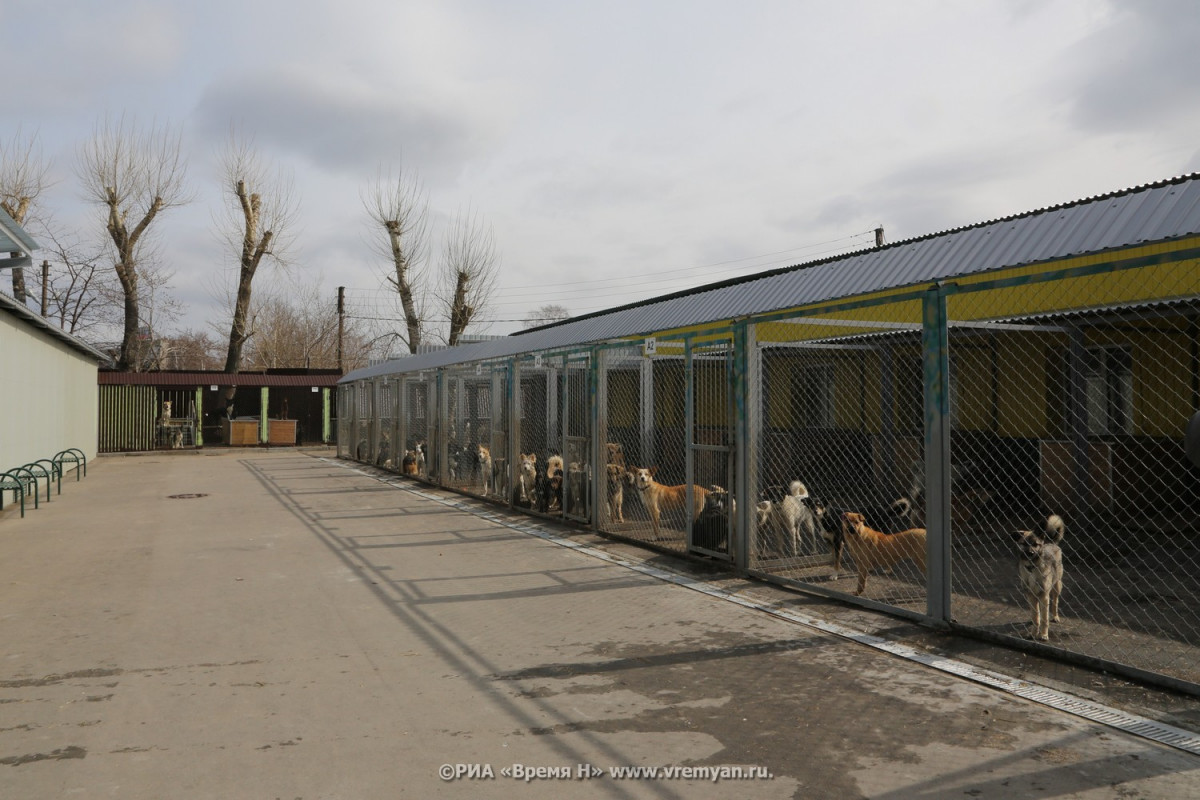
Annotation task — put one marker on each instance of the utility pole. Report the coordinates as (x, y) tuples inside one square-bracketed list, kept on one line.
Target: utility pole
[(341, 308), (879, 236), (45, 280)]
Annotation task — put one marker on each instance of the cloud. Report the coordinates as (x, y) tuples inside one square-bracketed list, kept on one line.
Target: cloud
[(1138, 72), (341, 122)]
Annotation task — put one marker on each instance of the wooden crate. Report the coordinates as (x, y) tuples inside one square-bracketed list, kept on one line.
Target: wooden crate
[(240, 431), (281, 431)]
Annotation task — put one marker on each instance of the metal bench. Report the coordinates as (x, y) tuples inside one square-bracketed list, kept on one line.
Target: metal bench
[(18, 481), (45, 468), (73, 455)]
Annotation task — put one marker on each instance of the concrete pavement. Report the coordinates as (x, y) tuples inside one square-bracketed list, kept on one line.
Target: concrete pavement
[(271, 624)]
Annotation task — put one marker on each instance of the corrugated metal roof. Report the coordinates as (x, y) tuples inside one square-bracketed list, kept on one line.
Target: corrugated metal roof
[(11, 306), (1155, 212), (194, 379)]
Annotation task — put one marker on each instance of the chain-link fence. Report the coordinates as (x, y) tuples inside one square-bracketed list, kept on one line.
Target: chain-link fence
[(471, 420), (889, 448), (346, 404), (1079, 414), (419, 398), (839, 401), (384, 423)]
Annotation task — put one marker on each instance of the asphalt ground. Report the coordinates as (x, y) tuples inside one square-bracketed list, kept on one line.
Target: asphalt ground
[(279, 624)]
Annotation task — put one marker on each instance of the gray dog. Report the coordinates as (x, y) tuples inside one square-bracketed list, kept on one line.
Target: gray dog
[(1040, 567)]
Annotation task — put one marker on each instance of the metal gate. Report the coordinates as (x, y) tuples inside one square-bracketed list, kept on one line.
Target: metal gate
[(711, 491), (837, 428), (133, 418)]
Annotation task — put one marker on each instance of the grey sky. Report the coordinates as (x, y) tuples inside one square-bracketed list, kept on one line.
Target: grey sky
[(655, 145)]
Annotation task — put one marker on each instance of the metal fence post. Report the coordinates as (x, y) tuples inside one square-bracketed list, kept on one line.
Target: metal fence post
[(597, 428), (745, 368), (689, 429), (936, 374), (515, 421)]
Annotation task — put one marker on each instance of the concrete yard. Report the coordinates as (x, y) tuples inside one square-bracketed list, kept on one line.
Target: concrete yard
[(304, 629)]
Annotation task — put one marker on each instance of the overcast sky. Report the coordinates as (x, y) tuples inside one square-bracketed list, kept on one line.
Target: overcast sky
[(619, 149)]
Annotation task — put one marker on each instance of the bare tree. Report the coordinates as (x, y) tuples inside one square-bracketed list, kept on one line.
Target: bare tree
[(191, 350), (23, 178), (81, 296), (543, 315), (299, 329), (134, 174), (256, 226), (468, 268), (397, 208)]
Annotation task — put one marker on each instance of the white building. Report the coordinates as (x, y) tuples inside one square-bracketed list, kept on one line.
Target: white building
[(48, 391)]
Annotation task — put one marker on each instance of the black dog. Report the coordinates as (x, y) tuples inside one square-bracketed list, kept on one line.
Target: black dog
[(711, 528)]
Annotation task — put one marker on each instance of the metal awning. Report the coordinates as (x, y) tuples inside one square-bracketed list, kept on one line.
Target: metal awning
[(16, 246)]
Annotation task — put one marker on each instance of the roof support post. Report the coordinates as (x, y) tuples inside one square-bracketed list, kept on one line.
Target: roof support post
[(262, 417), (936, 372), (745, 367)]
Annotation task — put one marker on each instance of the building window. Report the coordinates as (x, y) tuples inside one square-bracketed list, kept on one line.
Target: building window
[(814, 396), (1108, 381)]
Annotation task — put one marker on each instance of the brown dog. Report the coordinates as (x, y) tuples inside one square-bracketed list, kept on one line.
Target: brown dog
[(659, 498), (615, 496), (869, 548)]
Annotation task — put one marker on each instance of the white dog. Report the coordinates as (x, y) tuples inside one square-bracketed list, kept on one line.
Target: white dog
[(790, 521)]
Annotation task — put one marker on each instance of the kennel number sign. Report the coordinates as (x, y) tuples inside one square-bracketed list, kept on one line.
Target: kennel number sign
[(651, 346)]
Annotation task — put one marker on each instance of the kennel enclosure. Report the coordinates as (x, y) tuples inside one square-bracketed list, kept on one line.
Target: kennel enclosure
[(990, 375)]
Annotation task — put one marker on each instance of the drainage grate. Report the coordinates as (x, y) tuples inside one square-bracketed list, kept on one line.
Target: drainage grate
[(186, 496), (1114, 718)]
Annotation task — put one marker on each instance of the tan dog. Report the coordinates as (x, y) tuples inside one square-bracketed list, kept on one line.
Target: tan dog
[(483, 458), (659, 498), (615, 497), (1040, 569), (869, 548)]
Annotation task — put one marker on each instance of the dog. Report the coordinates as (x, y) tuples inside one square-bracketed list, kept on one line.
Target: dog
[(616, 454), (408, 465), (711, 527), (553, 494), (614, 499), (169, 433), (899, 515), (1040, 570), (579, 483), (870, 549), (790, 520), (526, 481), (483, 461), (659, 498)]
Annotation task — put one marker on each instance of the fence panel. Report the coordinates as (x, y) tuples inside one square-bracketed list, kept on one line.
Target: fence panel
[(495, 461), (364, 421), (540, 435), (839, 430), (625, 381), (711, 446), (417, 410), (128, 418), (346, 405), (384, 422), (576, 398), (469, 427), (1079, 414)]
